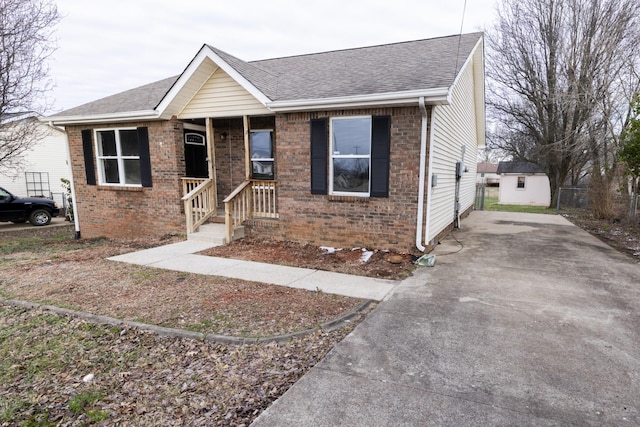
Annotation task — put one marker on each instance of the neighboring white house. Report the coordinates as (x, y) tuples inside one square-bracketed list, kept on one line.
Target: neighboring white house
[(487, 174), (45, 164), (523, 183)]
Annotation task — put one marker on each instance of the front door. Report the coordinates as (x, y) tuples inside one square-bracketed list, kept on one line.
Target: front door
[(195, 155)]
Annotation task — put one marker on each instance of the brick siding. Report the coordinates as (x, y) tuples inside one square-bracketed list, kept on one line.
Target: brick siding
[(133, 211), (383, 223)]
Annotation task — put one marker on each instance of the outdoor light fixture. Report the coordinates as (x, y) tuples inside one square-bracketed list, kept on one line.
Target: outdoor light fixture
[(223, 136)]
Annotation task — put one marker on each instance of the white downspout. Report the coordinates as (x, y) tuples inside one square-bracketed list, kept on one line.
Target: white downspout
[(430, 178), (423, 158), (76, 222)]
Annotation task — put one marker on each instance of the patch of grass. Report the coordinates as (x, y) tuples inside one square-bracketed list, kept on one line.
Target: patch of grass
[(38, 420), (60, 241), (143, 274), (19, 244), (37, 348), (81, 402), (491, 204), (216, 323), (8, 410)]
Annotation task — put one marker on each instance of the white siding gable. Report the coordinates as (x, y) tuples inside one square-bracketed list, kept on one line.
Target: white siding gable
[(455, 126), (221, 96), (47, 155)]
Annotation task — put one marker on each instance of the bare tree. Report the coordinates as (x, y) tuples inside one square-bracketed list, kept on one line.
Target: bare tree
[(559, 78), (26, 42)]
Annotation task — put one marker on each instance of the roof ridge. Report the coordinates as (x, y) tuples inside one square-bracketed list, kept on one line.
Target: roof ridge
[(217, 51), (362, 47)]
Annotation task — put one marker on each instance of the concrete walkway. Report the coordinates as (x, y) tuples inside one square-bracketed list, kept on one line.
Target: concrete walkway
[(182, 257), (524, 320)]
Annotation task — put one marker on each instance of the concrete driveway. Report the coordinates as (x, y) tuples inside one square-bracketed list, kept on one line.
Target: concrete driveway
[(528, 320)]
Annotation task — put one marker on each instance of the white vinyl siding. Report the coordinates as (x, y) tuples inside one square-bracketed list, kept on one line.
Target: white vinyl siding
[(221, 96), (536, 191), (455, 125), (47, 155), (191, 87)]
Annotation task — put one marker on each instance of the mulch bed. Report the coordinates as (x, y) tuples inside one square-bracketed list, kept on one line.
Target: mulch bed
[(381, 264)]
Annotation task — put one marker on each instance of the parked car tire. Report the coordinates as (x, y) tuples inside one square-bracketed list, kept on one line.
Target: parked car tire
[(40, 217)]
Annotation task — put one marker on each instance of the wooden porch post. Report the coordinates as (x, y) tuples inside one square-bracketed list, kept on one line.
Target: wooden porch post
[(247, 148), (211, 164), (247, 161)]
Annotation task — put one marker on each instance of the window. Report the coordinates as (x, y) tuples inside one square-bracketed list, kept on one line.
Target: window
[(192, 138), (122, 155), (521, 182), (350, 155), (118, 156), (353, 158), (262, 160)]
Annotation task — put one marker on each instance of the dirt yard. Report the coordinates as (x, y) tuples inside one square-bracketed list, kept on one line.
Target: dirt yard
[(77, 275), (622, 235), (56, 370), (358, 261)]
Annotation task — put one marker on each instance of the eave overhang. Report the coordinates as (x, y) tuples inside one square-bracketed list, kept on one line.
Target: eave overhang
[(437, 96), (147, 115)]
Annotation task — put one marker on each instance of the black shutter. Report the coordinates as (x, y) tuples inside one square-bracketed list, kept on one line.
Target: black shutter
[(380, 152), (87, 150), (319, 152), (145, 158)]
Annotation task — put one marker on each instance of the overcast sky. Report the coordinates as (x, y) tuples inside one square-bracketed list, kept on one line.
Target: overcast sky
[(105, 47)]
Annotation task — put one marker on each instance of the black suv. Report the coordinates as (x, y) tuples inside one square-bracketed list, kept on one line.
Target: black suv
[(36, 210)]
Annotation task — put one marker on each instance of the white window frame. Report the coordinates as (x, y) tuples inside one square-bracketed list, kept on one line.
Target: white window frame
[(333, 156), (524, 183), (119, 157), (262, 159)]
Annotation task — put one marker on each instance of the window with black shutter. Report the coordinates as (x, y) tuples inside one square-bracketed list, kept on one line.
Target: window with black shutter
[(350, 156), (122, 156)]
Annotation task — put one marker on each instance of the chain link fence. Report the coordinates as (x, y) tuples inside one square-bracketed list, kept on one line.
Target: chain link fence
[(577, 199), (483, 192)]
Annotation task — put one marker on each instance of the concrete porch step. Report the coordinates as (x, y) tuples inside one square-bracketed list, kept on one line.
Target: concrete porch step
[(214, 233), (219, 218)]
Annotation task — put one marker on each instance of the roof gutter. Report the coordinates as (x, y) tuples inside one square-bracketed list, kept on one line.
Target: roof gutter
[(431, 96), (423, 157), (104, 118)]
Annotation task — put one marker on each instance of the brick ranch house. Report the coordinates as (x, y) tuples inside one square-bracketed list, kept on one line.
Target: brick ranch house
[(371, 147)]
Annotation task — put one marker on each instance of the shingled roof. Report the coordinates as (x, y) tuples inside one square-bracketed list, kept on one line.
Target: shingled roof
[(519, 167), (391, 68), (143, 98)]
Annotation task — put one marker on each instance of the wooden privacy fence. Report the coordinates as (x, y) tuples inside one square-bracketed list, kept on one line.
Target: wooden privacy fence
[(252, 199)]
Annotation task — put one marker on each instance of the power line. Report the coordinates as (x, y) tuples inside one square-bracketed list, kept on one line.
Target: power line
[(464, 9)]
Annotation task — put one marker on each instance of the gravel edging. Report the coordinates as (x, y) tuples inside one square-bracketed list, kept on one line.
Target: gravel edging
[(181, 333)]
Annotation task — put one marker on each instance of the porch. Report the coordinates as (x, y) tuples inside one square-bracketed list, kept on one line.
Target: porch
[(235, 150)]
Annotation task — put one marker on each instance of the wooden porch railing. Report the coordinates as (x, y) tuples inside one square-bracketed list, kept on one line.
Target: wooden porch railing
[(252, 199), (189, 184), (199, 201)]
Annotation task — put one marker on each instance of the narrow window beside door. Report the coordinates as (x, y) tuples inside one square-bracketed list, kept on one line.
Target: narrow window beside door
[(262, 160)]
